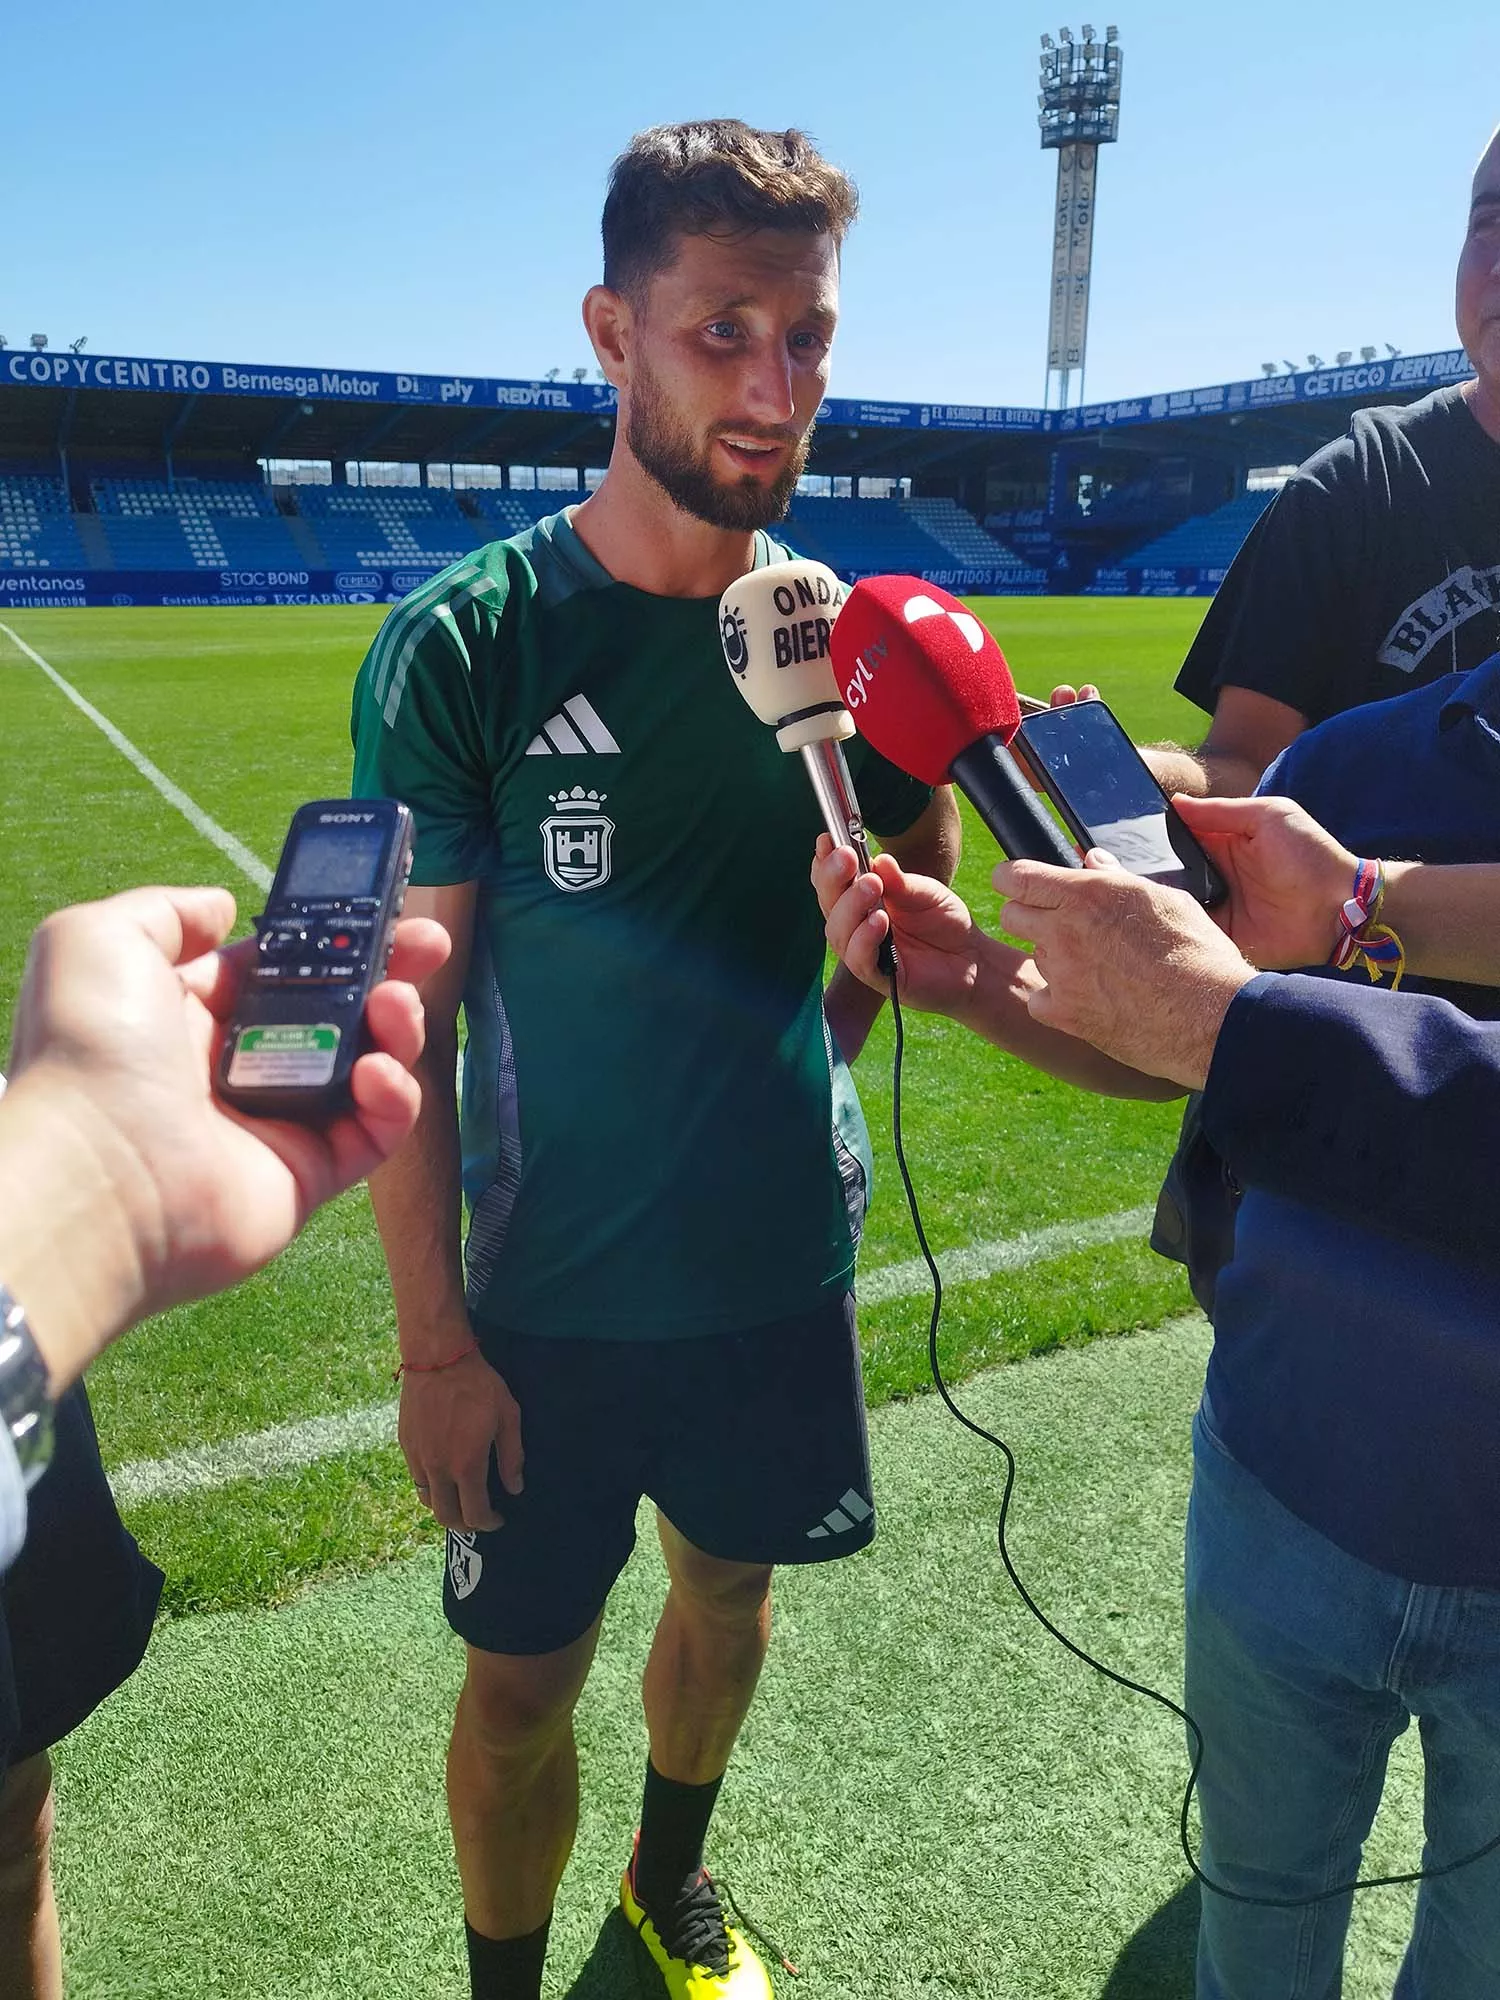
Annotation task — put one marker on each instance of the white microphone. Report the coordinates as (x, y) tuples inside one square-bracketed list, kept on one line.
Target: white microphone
[(775, 625)]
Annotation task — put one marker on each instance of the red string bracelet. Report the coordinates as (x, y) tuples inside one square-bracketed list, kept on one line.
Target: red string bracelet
[(433, 1367)]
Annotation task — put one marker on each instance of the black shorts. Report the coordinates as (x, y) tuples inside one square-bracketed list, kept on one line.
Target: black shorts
[(752, 1444), (77, 1604)]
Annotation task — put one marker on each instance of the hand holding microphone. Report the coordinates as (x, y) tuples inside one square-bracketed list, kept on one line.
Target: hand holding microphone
[(943, 957)]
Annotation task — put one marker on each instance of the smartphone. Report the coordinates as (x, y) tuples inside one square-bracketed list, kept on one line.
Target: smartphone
[(321, 944), (1102, 786)]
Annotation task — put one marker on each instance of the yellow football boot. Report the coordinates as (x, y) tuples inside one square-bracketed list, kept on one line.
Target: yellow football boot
[(698, 1954)]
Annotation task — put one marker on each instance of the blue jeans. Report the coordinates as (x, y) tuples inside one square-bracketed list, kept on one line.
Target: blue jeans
[(1303, 1667)]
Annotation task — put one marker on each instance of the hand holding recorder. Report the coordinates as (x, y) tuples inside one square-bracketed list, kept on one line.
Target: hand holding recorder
[(126, 1184)]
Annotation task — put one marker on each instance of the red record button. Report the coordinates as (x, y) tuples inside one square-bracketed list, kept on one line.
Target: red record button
[(341, 940)]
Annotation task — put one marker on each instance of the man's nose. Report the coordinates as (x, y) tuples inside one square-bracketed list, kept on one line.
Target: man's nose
[(768, 383)]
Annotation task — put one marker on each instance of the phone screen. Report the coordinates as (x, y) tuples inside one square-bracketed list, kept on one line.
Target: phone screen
[(1100, 781)]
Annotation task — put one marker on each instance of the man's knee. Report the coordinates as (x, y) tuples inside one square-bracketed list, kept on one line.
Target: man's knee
[(26, 1819), (515, 1708), (713, 1591)]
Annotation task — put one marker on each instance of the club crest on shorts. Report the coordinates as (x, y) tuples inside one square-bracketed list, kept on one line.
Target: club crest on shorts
[(576, 839), (465, 1563)]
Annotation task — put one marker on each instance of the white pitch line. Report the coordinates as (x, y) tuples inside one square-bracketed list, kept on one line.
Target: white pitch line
[(259, 1454), (287, 1447), (988, 1260), (248, 864)]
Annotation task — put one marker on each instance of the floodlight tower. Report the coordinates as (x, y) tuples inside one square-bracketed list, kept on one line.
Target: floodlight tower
[(1080, 112)]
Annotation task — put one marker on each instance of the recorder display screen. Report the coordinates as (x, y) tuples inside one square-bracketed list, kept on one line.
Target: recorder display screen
[(333, 861)]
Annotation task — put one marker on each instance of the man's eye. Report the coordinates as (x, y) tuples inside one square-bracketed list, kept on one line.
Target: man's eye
[(808, 343), (723, 329)]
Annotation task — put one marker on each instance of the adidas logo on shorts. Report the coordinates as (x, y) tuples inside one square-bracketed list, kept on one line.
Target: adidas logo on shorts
[(849, 1513)]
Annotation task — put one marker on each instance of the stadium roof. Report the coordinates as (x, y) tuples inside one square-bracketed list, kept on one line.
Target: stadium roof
[(105, 404)]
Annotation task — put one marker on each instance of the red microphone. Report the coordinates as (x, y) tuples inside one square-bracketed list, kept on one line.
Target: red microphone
[(929, 688)]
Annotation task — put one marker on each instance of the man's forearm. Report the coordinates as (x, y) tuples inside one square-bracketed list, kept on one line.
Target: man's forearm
[(1448, 919), (1378, 1107), (998, 1011), (61, 1176), (932, 847), (850, 1007), (1201, 773), (418, 1202)]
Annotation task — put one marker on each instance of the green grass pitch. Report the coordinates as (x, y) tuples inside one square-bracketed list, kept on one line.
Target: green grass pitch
[(931, 1803), (247, 710)]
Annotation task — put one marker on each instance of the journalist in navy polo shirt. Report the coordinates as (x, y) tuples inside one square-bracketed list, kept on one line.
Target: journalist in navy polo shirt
[(1343, 1561), (1383, 1431)]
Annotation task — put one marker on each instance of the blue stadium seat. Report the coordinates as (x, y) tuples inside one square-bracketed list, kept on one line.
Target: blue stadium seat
[(36, 525), (506, 512), (956, 530), (198, 524), (356, 525), (907, 536), (1208, 541)]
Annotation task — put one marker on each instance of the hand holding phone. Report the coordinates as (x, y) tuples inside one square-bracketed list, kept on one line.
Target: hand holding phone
[(1083, 760)]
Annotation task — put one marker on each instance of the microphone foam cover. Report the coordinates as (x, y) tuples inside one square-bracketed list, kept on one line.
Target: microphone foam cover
[(775, 625), (922, 677)]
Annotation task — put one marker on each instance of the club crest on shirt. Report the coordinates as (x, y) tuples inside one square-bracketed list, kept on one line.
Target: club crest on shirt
[(576, 839)]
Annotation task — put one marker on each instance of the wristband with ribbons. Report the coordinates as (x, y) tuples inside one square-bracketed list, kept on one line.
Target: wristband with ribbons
[(1362, 938)]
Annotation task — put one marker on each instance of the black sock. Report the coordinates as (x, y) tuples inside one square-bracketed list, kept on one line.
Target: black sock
[(506, 1968), (674, 1820)]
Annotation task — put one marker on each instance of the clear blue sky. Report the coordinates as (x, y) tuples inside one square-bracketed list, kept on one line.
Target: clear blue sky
[(419, 186)]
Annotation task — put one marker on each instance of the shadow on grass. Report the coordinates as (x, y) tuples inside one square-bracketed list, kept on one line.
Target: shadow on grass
[(1157, 1964), (612, 1970)]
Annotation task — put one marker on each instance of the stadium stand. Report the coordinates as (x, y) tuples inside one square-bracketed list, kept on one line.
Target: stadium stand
[(1207, 541), (196, 524), (908, 536), (388, 524), (970, 545), (870, 535), (36, 525), (208, 524), (501, 513)]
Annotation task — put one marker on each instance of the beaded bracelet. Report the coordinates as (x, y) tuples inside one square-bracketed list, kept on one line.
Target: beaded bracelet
[(1363, 939)]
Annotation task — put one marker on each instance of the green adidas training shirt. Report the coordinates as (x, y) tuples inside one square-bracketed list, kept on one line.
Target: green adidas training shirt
[(650, 1142)]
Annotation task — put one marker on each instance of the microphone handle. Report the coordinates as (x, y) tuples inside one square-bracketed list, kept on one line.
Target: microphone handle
[(833, 788), (991, 780)]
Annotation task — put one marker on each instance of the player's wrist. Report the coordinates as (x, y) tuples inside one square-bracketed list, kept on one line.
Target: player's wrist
[(1215, 988), (434, 1343)]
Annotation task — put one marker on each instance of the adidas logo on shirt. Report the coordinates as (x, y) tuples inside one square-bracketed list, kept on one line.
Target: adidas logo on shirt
[(574, 731)]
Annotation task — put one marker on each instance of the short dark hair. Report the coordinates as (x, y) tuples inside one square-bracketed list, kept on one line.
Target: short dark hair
[(716, 177)]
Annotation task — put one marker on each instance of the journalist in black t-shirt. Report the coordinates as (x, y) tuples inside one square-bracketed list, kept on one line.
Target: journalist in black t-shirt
[(1377, 567)]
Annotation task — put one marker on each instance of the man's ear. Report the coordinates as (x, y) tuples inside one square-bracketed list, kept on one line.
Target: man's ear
[(608, 320)]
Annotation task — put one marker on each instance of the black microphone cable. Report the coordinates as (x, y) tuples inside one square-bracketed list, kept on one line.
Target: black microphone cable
[(1054, 1631)]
